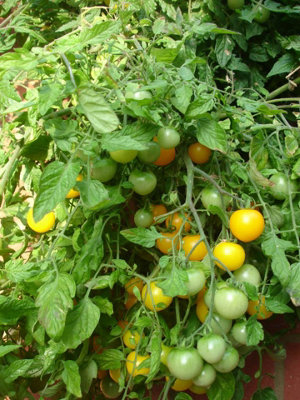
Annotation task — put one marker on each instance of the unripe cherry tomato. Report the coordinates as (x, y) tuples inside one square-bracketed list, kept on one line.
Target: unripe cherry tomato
[(123, 156), (230, 303), (248, 273), (211, 348), (168, 138), (198, 389), (262, 14), (184, 363), (151, 154), (165, 350), (207, 376), (235, 4), (247, 225), (229, 361), (180, 385), (103, 169), (144, 182), (199, 153), (143, 218)]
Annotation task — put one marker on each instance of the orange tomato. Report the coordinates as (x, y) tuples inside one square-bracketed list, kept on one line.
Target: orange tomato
[(115, 374), (180, 385), (158, 210), (166, 156), (199, 153), (134, 282), (131, 301), (199, 252), (176, 220), (201, 310), (258, 308), (165, 244)]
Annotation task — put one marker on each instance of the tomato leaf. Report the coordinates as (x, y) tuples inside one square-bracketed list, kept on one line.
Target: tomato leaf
[(278, 307), (251, 291), (56, 181), (93, 194), (97, 110), (142, 236), (223, 387), (183, 396), (88, 373), (12, 309), (80, 323), (198, 108), (155, 350), (110, 359), (293, 287), (174, 284), (71, 377), (104, 305), (264, 394), (211, 134), (54, 300), (255, 332)]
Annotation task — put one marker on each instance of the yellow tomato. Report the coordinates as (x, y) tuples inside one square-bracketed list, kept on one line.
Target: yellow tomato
[(133, 361), (42, 226), (199, 252), (201, 310), (247, 225), (180, 385), (258, 308), (165, 350), (175, 221), (232, 255), (198, 389), (115, 374), (73, 192), (153, 295), (131, 339), (158, 210), (134, 282)]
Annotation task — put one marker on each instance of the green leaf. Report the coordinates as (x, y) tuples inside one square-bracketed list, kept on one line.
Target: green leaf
[(37, 149), (18, 271), (143, 322), (17, 368), (8, 348), (88, 373), (296, 168), (223, 387), (71, 377), (293, 286), (12, 309), (174, 284), (264, 394), (285, 64), (63, 132), (97, 110), (80, 323), (155, 350), (183, 396), (210, 134), (165, 55), (110, 359), (278, 307), (255, 331), (142, 236), (54, 300), (223, 49), (49, 94), (20, 59), (135, 136), (198, 108), (121, 264), (183, 95), (105, 306), (93, 194), (220, 213), (56, 181), (251, 291)]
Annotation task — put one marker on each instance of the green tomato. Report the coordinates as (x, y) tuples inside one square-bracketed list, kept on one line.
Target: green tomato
[(140, 96), (280, 190), (210, 196), (151, 154), (184, 363), (262, 14), (109, 388), (231, 303), (248, 273), (103, 169), (229, 361), (220, 325), (239, 332), (143, 182), (143, 218), (207, 376), (168, 138), (211, 348), (196, 281), (123, 156), (208, 293), (235, 4)]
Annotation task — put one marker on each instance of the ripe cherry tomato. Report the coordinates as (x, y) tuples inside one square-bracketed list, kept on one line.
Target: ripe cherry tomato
[(123, 156), (42, 226), (258, 308), (133, 361), (184, 363), (235, 4), (199, 252), (199, 153), (151, 154), (166, 156), (180, 385), (115, 374), (134, 282), (239, 332), (201, 310), (247, 225), (232, 255), (165, 350), (210, 196), (165, 244), (74, 193), (248, 273), (131, 339), (158, 210), (280, 189), (207, 376), (103, 169), (262, 14), (229, 361), (154, 297), (174, 222), (143, 218), (211, 348), (109, 388), (231, 303), (198, 389), (143, 182), (168, 138), (130, 302)]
